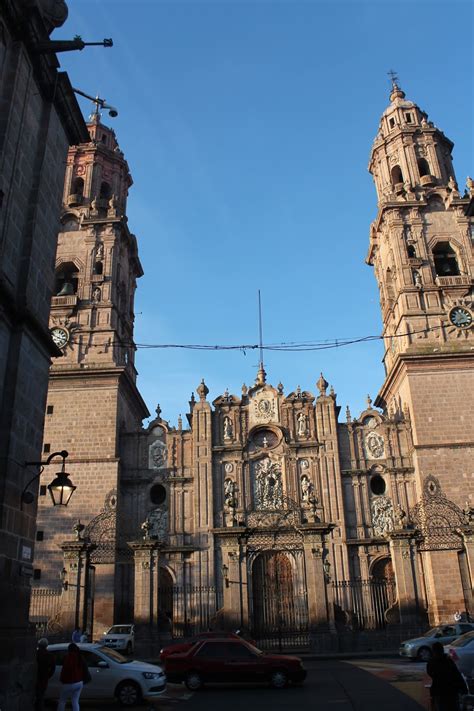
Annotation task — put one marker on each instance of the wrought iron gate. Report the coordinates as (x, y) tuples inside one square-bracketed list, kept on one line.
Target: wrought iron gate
[(279, 604)]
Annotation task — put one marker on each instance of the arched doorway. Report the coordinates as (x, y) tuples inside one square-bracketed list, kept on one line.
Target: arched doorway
[(279, 613), (384, 593)]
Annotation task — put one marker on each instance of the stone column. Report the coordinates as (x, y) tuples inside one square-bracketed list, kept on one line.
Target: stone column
[(231, 585), (468, 539), (403, 553), (146, 581), (74, 609), (319, 614)]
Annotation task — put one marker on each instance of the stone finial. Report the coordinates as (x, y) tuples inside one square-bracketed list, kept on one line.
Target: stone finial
[(244, 390), (280, 388), (298, 392), (158, 412), (348, 414), (332, 393), (78, 529), (322, 385), (470, 185), (261, 376), (180, 423), (202, 390), (369, 402)]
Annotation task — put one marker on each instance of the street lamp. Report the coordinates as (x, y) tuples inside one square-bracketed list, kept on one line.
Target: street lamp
[(63, 579), (225, 574), (61, 488)]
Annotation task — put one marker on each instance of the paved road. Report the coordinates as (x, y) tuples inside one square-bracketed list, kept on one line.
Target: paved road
[(333, 685)]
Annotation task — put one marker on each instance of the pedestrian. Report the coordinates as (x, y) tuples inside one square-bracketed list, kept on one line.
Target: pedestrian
[(44, 672), (457, 616), (83, 637), (76, 635), (448, 682), (74, 675)]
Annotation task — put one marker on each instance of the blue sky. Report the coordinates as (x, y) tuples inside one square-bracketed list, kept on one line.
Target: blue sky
[(247, 127)]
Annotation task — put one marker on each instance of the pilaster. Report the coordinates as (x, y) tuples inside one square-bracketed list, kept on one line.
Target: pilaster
[(75, 608), (403, 553)]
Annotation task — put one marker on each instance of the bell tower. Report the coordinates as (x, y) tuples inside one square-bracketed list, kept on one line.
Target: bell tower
[(92, 398), (421, 251)]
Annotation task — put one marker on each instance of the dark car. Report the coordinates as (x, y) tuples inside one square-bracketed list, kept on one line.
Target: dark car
[(184, 646), (232, 660)]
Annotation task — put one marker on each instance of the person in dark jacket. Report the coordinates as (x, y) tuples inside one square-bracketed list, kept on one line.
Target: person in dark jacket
[(44, 672), (73, 675), (448, 682)]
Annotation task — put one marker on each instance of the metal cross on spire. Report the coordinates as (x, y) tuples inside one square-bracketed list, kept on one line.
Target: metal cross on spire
[(393, 78)]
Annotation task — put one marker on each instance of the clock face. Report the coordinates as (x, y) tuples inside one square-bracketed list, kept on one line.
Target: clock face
[(60, 336), (460, 317)]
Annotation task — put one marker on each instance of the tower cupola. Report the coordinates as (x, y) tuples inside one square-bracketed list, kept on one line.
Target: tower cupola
[(410, 155)]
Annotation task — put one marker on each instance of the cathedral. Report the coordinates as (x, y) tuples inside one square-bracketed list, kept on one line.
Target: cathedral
[(265, 509)]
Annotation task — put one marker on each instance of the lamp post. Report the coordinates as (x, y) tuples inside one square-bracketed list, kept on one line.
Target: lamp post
[(61, 488)]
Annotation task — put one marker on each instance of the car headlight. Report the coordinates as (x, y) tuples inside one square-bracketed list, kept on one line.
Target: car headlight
[(152, 675)]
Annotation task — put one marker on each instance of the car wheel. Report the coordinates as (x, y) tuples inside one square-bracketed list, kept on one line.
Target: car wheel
[(129, 649), (128, 693), (279, 679), (193, 681), (424, 654)]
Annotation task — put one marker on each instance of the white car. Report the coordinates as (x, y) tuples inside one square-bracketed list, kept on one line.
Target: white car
[(112, 675), (120, 637)]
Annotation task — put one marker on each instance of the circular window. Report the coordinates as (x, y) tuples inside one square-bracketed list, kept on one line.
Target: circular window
[(377, 485), (157, 494)]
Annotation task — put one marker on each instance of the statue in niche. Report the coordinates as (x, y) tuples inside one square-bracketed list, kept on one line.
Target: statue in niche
[(157, 524), (382, 515), (399, 517), (228, 429), (306, 488), (302, 424), (268, 486), (158, 455), (96, 295), (229, 493), (375, 445), (99, 254)]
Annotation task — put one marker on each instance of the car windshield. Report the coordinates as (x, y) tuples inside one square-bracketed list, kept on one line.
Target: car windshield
[(432, 632), (120, 629), (112, 654), (253, 649), (464, 640)]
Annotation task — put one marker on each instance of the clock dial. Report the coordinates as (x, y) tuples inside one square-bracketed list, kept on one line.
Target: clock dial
[(60, 336), (460, 317)]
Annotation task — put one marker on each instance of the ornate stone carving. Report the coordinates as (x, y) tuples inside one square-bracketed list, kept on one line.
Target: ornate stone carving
[(157, 455), (228, 467), (437, 519), (264, 407), (268, 487), (374, 446), (229, 493), (157, 524), (382, 515), (304, 464)]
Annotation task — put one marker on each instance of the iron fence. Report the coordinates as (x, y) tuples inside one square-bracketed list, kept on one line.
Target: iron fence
[(45, 606), (362, 604), (185, 610)]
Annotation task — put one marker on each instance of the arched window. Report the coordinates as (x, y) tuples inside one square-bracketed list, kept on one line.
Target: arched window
[(397, 175), (105, 191), (423, 167), (78, 187), (377, 485), (98, 268), (411, 251), (445, 260), (67, 276)]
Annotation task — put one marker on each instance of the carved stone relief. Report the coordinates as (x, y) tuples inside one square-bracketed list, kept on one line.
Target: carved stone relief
[(263, 408), (382, 515), (158, 524), (157, 455), (374, 446), (268, 487)]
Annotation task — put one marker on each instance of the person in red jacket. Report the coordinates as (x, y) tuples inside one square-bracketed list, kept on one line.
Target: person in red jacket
[(73, 675)]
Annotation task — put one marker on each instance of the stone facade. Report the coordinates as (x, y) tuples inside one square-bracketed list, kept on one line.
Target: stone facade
[(40, 119), (266, 511)]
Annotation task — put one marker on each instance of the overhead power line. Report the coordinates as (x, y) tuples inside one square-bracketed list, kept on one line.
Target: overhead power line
[(288, 347)]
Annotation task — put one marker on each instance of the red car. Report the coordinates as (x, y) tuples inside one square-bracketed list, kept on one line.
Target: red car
[(231, 660), (184, 646)]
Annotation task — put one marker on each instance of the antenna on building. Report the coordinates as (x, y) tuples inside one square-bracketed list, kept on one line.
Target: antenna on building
[(261, 370)]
